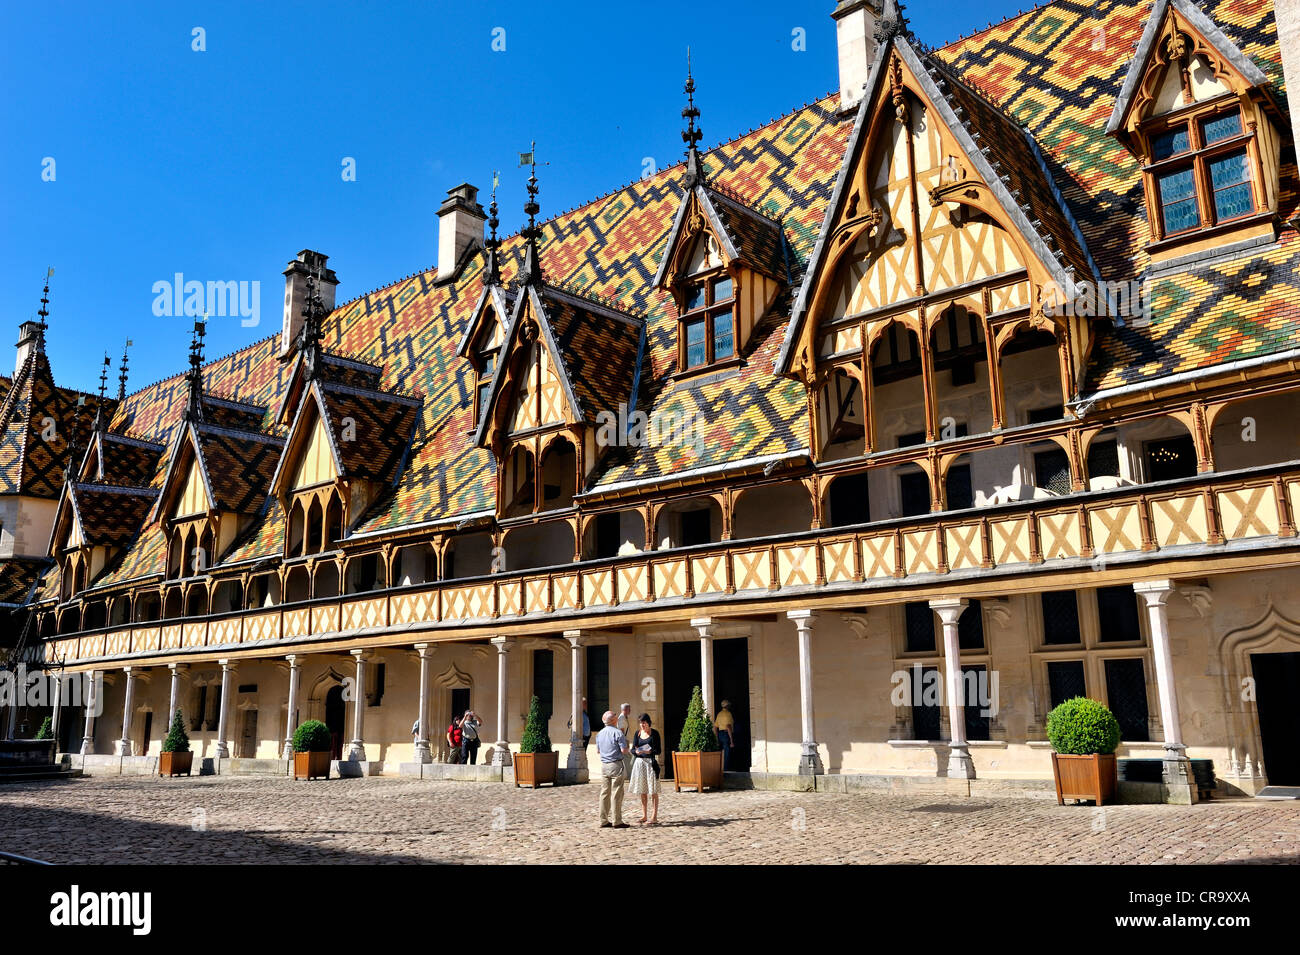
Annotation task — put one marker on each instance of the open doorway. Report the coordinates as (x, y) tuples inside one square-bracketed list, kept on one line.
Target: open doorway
[(681, 676), (1277, 684), (731, 683), (335, 719)]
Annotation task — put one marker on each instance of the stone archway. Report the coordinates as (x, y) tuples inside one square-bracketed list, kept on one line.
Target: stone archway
[(1272, 633), (444, 685)]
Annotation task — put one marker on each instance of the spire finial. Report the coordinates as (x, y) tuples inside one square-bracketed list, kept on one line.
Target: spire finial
[(70, 469), (532, 259), (194, 378), (44, 311), (103, 393), (692, 134), (493, 243), (313, 314), (121, 378)]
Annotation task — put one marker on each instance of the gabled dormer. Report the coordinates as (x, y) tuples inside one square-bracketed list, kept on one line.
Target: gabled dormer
[(1201, 118), (566, 366), (481, 343), (725, 263), (93, 525)]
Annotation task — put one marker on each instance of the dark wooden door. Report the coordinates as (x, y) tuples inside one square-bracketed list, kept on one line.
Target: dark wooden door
[(731, 683), (1277, 685), (681, 675), (335, 719)]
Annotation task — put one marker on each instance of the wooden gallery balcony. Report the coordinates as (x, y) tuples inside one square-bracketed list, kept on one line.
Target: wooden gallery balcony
[(1197, 526)]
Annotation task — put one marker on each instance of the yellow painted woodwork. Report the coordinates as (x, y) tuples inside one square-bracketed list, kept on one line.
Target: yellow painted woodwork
[(316, 461)]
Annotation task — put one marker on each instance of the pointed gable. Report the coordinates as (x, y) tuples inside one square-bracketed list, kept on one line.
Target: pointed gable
[(747, 237)]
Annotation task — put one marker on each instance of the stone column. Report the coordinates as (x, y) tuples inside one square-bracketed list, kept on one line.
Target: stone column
[(11, 717), (174, 699), (577, 752), (810, 761), (55, 719), (357, 748), (128, 703), (705, 627), (222, 751), (423, 753), (92, 701), (960, 765), (1178, 768), (295, 679), (501, 748)]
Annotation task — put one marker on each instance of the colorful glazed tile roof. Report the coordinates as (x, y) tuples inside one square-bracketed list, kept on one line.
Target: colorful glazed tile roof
[(109, 515), (1055, 70), (18, 577)]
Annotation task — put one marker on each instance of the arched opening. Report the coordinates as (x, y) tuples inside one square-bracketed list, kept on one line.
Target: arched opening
[(334, 520), (315, 527), (119, 611), (78, 577), (297, 585), (263, 591), (1106, 462), (469, 555), (518, 483), (848, 499), (228, 596), (49, 625), (688, 523), (962, 397), (613, 534), (909, 495), (70, 620), (842, 417), (897, 404), (415, 564), (326, 583), (559, 474), (365, 572), (148, 607), (783, 508), (175, 552), (66, 578), (173, 604), (95, 616), (335, 714), (196, 601), (1246, 433), (1029, 368), (547, 544), (296, 532)]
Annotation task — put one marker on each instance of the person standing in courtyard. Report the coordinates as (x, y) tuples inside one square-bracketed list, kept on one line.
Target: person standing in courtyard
[(725, 726), (627, 728), (453, 740), (586, 724), (469, 725), (611, 744), (645, 746)]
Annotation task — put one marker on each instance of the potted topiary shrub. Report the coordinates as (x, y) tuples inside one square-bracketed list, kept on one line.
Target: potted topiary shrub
[(535, 763), (1083, 734), (176, 758), (697, 761), (311, 751)]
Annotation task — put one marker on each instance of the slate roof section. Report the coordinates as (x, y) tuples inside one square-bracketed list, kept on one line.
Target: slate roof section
[(382, 425), (110, 516), (19, 577), (123, 460), (238, 466)]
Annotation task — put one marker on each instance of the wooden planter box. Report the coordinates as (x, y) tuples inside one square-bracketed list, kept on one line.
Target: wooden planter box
[(175, 764), (701, 770), (1085, 777), (535, 769), (311, 765)]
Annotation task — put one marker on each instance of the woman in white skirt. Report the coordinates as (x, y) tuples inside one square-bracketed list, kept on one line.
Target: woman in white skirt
[(645, 767)]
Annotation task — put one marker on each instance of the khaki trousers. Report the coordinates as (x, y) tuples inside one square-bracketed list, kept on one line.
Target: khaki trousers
[(611, 792)]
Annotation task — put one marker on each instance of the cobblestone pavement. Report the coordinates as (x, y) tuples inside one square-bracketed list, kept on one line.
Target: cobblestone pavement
[(277, 820)]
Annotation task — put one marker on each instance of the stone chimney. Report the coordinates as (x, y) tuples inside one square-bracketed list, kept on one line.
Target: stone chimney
[(855, 27), (29, 333), (460, 226), (1287, 13), (295, 293)]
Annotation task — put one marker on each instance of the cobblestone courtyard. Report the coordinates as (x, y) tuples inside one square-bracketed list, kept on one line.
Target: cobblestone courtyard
[(275, 820)]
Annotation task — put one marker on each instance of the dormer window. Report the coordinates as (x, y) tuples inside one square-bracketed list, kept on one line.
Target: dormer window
[(707, 331), (1203, 171), (486, 367)]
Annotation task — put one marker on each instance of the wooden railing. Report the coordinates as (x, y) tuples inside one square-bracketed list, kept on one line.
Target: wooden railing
[(1175, 518)]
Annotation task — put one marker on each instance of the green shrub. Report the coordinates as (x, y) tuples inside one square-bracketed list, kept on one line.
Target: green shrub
[(176, 740), (47, 729), (697, 733), (536, 739), (312, 736), (1082, 727)]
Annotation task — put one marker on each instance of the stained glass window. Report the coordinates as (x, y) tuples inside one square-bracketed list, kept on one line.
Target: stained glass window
[(1230, 179)]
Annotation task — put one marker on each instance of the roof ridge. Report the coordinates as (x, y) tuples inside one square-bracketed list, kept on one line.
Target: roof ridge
[(583, 295)]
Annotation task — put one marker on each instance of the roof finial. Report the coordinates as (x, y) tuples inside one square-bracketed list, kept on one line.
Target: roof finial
[(121, 378), (493, 243), (69, 469), (532, 273), (692, 134), (103, 393), (43, 312), (194, 377), (313, 314)]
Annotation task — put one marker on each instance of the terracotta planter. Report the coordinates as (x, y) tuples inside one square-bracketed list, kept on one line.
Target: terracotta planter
[(534, 769), (1091, 777), (175, 764), (700, 770), (311, 765)]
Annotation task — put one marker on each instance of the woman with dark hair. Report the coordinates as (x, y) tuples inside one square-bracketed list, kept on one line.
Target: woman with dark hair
[(645, 769)]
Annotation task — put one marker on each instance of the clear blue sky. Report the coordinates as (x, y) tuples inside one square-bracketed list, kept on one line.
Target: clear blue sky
[(222, 164)]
